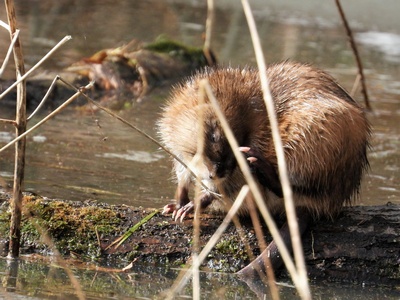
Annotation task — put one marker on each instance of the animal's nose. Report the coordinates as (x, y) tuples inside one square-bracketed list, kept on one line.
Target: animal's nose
[(213, 172), (211, 175)]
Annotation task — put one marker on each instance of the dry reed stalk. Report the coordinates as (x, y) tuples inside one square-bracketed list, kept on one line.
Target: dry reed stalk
[(300, 276), (208, 34), (270, 275), (19, 164), (186, 274), (355, 85), (198, 159), (7, 121), (356, 54), (243, 164), (196, 162), (50, 89)]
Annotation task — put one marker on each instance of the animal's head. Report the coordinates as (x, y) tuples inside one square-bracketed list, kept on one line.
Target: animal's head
[(218, 155)]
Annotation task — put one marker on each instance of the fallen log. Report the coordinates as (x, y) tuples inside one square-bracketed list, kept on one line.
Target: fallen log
[(362, 245)]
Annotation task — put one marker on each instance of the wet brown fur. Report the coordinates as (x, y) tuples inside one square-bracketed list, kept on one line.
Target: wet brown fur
[(324, 133)]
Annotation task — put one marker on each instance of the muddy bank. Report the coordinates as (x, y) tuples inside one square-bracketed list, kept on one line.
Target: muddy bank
[(362, 245)]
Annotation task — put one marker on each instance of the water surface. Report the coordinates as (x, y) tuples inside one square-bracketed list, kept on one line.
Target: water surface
[(80, 155)]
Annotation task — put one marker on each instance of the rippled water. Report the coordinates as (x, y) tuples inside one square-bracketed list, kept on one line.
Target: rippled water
[(80, 155)]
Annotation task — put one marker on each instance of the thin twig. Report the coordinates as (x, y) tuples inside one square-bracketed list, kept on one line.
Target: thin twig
[(50, 89), (355, 85), (5, 25), (37, 65), (10, 49), (300, 276), (7, 121), (270, 280), (51, 115), (208, 35), (209, 23), (197, 161), (356, 54), (301, 280)]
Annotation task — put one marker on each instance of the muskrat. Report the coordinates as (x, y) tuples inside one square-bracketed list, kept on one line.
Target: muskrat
[(325, 135)]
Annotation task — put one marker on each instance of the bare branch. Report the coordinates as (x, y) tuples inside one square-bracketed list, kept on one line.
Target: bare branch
[(63, 41), (356, 54), (20, 120), (7, 121), (52, 85), (8, 55), (5, 25)]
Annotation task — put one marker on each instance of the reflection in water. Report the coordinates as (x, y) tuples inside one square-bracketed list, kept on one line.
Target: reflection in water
[(138, 156), (43, 280), (385, 42), (70, 157)]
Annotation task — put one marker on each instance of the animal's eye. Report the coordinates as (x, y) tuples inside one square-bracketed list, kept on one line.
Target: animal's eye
[(215, 137)]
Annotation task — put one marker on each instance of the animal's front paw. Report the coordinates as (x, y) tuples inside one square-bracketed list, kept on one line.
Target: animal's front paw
[(183, 211), (178, 213), (169, 208)]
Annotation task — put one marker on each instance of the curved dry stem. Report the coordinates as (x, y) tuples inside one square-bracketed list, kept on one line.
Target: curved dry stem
[(45, 238), (51, 88), (299, 276), (9, 52), (196, 162)]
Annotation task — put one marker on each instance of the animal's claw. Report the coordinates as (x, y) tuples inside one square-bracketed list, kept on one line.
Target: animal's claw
[(169, 208), (250, 154), (183, 211)]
